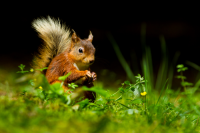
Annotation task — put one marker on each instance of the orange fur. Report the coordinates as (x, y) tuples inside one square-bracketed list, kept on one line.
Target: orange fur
[(63, 53)]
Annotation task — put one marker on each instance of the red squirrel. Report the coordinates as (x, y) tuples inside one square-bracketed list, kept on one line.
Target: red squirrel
[(63, 53)]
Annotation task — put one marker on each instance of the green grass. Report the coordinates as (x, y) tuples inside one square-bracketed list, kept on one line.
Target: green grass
[(24, 110), (29, 104)]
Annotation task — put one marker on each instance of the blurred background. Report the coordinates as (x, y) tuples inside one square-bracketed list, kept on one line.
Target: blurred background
[(177, 23)]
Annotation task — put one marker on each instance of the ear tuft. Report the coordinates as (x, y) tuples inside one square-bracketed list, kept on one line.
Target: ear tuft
[(75, 38), (90, 37)]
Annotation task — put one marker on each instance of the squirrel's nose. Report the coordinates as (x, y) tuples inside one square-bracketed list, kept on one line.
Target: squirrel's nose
[(91, 61)]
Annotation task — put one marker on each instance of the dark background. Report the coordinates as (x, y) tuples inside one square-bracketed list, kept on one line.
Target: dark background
[(178, 23)]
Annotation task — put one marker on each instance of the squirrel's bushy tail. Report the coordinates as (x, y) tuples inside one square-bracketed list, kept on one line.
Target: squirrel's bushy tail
[(56, 39)]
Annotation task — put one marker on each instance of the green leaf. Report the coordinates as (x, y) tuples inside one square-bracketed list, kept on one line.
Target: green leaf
[(99, 91), (180, 66), (138, 77), (178, 70), (133, 88), (121, 90), (57, 88), (185, 68), (21, 66), (127, 82), (186, 84), (84, 103), (39, 93), (127, 88), (32, 82), (68, 99), (62, 78), (72, 85), (101, 101), (42, 69)]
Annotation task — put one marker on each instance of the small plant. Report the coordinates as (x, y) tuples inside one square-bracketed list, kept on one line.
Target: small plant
[(73, 86), (138, 86), (21, 67), (130, 95), (181, 68)]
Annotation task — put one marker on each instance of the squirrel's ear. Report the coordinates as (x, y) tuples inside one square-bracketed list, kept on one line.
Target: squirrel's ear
[(75, 38), (90, 37)]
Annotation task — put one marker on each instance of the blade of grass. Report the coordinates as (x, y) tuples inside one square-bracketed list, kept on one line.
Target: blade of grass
[(162, 72), (147, 60), (195, 66), (124, 105), (148, 69), (161, 91), (121, 58), (147, 66)]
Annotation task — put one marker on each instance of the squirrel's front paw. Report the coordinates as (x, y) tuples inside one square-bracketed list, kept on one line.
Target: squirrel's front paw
[(88, 74), (94, 76), (91, 76)]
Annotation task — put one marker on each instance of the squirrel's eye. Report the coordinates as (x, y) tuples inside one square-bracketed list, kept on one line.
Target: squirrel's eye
[(80, 50)]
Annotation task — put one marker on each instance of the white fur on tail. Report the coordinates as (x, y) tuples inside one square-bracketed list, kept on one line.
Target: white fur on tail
[(56, 37)]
